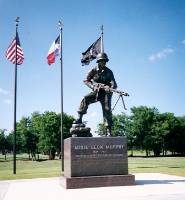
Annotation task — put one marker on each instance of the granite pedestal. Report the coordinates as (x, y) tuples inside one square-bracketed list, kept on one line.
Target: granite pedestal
[(96, 162)]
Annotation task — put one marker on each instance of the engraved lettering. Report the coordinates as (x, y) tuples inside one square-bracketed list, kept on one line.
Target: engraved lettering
[(97, 147), (80, 147), (114, 146)]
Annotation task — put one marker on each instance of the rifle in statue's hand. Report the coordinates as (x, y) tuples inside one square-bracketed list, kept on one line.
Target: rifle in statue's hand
[(98, 86)]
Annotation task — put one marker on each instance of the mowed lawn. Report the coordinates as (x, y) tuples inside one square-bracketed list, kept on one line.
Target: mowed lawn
[(27, 169), (167, 165)]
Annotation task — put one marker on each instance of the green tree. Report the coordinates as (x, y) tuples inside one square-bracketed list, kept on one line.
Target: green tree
[(49, 128), (142, 119), (29, 137), (122, 126), (175, 139), (120, 123), (67, 123), (19, 141), (118, 128), (36, 125), (3, 142), (149, 130), (49, 133), (180, 147), (9, 140), (159, 130)]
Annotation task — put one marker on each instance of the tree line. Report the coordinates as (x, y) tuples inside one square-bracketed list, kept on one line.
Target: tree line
[(40, 133), (145, 128)]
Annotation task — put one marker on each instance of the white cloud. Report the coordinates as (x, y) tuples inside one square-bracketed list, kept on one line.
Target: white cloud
[(161, 54), (183, 41), (2, 91), (8, 101)]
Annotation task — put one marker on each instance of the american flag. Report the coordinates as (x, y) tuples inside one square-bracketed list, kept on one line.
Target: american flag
[(11, 52)]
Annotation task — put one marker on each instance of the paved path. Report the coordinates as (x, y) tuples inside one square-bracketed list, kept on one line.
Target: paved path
[(149, 186)]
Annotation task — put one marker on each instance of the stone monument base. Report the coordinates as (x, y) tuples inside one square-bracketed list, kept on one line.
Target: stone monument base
[(97, 181), (96, 162)]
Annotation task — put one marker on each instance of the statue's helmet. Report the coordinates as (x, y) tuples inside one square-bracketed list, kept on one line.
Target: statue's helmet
[(102, 56)]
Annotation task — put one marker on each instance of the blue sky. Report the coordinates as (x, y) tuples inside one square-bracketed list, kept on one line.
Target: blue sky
[(144, 39)]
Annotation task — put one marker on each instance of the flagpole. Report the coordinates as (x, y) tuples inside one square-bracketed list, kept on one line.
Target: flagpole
[(15, 102), (61, 63), (102, 45)]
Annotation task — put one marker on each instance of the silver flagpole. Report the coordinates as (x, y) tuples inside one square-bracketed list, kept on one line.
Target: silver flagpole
[(61, 62), (102, 45)]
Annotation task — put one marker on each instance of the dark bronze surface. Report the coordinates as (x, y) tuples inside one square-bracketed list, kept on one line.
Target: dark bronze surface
[(99, 74)]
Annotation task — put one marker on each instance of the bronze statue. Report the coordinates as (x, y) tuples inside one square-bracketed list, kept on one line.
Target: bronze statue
[(101, 80)]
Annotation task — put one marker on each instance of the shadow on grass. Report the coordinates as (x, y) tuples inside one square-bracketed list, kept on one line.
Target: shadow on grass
[(146, 167), (147, 182), (4, 160), (153, 156), (41, 160), (174, 167), (24, 159), (38, 160)]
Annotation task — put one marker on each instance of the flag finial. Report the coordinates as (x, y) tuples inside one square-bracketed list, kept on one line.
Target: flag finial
[(60, 24), (17, 21), (102, 29)]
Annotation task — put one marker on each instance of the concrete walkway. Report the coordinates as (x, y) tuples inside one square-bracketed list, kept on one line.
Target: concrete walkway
[(149, 186)]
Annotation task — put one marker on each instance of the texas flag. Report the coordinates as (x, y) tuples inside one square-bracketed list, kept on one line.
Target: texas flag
[(54, 51)]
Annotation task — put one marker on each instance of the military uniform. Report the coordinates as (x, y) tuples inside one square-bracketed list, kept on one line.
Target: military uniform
[(104, 76)]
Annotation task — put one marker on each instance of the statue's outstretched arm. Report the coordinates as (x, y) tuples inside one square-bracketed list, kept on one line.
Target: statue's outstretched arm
[(89, 84)]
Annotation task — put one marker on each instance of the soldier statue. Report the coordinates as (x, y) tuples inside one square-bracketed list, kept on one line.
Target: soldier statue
[(99, 75)]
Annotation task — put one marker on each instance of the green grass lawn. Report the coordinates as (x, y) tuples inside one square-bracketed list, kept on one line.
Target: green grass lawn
[(29, 169), (168, 165), (51, 168)]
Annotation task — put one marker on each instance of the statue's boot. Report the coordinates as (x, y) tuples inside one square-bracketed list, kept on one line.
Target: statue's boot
[(109, 131)]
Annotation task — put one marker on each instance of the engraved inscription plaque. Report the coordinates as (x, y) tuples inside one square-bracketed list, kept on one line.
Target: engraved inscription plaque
[(95, 156)]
